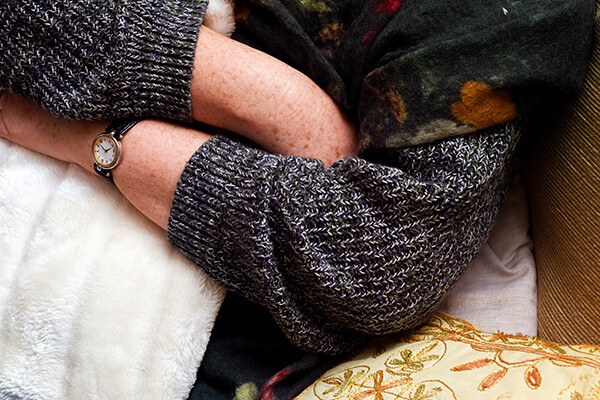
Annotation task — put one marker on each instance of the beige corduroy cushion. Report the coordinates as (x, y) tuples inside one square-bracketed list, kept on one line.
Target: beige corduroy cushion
[(563, 179)]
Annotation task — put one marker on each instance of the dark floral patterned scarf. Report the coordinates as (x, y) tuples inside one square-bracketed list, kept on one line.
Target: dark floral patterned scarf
[(411, 71)]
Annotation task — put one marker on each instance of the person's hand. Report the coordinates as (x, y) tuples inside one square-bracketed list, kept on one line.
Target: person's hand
[(26, 124)]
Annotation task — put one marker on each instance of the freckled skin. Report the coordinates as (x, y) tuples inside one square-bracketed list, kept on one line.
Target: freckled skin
[(234, 87), (283, 110)]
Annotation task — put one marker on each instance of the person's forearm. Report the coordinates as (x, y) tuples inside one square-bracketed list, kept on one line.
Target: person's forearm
[(356, 248), (233, 86), (251, 93), (155, 153), (323, 244)]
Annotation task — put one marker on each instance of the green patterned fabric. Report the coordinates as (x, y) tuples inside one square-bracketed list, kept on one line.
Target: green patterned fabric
[(417, 71)]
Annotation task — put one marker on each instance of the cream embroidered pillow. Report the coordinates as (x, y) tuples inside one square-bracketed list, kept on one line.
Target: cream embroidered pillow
[(449, 358)]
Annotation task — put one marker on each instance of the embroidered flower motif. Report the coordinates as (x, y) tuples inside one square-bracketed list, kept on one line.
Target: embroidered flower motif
[(533, 378), (448, 358), (337, 385), (492, 379), (380, 387), (420, 393), (473, 365)]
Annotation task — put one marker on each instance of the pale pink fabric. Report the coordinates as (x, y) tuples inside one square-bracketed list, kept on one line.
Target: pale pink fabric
[(498, 291)]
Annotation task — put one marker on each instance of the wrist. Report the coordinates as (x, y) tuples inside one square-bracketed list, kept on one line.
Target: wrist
[(155, 152), (106, 147), (81, 154)]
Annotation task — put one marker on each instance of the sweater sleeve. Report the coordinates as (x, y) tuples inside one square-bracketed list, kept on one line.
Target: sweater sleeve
[(344, 252), (101, 59)]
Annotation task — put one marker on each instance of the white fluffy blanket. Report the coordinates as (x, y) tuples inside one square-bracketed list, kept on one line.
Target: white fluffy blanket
[(94, 303)]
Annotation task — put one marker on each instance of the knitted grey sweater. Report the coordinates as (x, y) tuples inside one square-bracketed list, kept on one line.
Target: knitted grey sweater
[(367, 246), (101, 59), (348, 251)]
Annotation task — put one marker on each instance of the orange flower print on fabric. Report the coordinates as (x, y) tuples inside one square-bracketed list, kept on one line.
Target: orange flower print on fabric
[(482, 107), (397, 105)]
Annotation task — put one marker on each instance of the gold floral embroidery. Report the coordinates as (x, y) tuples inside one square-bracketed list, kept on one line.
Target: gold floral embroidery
[(340, 383), (449, 358), (405, 362), (336, 385), (380, 388)]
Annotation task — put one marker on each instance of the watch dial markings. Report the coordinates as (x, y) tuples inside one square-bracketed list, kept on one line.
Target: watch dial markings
[(105, 151)]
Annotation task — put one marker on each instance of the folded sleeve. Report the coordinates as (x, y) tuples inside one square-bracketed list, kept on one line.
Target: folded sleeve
[(341, 253), (108, 59)]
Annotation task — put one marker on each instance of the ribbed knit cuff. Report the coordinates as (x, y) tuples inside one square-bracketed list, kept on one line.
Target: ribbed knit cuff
[(221, 220), (216, 183), (159, 40)]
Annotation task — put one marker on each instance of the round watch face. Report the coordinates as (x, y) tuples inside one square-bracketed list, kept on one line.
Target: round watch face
[(106, 151)]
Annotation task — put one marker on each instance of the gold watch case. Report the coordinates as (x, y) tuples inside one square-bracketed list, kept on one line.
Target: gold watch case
[(106, 151)]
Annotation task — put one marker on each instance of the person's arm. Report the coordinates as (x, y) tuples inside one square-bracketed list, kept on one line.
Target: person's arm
[(137, 59), (334, 253), (255, 95), (341, 253), (155, 151), (93, 59)]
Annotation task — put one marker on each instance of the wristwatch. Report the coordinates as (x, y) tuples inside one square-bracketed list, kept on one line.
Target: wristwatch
[(106, 148)]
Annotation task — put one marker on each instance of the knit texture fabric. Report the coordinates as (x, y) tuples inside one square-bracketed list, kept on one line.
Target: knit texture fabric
[(340, 253), (371, 244), (110, 59)]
